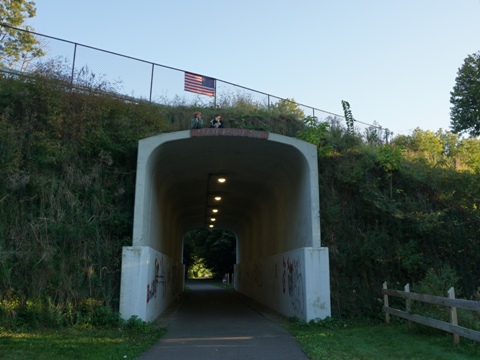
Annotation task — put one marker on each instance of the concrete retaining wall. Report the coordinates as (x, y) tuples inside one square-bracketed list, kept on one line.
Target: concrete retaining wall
[(150, 282), (295, 283)]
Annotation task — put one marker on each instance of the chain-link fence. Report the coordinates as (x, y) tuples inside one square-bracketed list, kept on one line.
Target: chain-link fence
[(143, 80)]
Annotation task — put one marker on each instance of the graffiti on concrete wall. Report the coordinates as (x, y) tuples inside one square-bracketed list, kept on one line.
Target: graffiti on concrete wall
[(159, 282), (293, 284)]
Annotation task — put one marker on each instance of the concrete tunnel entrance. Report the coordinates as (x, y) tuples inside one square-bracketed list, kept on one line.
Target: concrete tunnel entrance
[(270, 201)]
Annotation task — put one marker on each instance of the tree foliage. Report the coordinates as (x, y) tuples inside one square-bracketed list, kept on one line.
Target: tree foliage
[(442, 149), (465, 97), (214, 250), (315, 132), (288, 107), (17, 48), (389, 158)]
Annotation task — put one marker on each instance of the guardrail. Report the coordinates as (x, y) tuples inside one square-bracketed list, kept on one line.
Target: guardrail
[(450, 301)]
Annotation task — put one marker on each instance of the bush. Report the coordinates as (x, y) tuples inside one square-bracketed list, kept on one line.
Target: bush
[(436, 282), (137, 325)]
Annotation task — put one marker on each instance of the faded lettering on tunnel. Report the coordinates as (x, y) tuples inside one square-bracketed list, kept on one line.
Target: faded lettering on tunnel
[(229, 132)]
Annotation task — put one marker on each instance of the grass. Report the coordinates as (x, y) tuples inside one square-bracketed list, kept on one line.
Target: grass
[(330, 339), (70, 343), (320, 341)]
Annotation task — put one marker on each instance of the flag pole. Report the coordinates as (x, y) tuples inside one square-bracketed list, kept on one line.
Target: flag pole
[(215, 93)]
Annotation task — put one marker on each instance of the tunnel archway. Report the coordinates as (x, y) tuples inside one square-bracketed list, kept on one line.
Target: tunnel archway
[(269, 200)]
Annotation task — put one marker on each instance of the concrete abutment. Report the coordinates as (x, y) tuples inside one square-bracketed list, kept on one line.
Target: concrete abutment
[(270, 201)]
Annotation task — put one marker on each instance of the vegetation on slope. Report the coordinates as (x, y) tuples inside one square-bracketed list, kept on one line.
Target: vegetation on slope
[(67, 172), (392, 217)]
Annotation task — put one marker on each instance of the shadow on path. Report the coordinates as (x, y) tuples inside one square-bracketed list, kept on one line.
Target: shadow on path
[(213, 323)]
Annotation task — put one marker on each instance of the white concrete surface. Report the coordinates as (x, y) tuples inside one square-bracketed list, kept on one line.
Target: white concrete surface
[(270, 201), (295, 283), (150, 282)]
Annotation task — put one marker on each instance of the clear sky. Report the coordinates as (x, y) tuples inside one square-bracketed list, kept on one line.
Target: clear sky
[(394, 61)]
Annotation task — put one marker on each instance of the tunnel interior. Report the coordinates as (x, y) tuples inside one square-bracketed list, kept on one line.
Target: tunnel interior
[(265, 200)]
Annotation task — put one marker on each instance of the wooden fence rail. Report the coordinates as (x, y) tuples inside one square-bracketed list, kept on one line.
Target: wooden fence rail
[(450, 301)]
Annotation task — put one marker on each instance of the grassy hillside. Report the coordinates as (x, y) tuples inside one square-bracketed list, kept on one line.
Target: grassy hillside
[(67, 172)]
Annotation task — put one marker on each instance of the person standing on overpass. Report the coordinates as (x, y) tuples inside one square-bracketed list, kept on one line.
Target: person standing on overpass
[(217, 122), (197, 121)]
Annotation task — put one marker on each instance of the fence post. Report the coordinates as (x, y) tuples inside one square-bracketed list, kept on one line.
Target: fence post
[(453, 315), (73, 63), (385, 304), (151, 82), (408, 305)]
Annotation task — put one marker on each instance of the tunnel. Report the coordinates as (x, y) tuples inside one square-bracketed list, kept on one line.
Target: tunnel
[(269, 199)]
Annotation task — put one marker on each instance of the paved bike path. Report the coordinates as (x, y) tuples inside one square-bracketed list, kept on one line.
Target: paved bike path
[(213, 323)]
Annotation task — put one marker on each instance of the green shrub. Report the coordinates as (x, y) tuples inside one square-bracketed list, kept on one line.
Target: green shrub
[(137, 325), (436, 282)]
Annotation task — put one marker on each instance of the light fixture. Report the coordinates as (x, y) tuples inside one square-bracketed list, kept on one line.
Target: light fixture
[(213, 197)]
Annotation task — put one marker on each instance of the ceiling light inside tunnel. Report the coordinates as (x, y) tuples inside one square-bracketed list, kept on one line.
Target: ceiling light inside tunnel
[(213, 196)]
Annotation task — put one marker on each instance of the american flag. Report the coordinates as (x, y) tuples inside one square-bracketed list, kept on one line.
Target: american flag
[(199, 84)]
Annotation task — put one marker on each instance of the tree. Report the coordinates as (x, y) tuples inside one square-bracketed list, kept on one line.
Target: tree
[(315, 132), (465, 97), (17, 48), (470, 154), (208, 251), (439, 149), (218, 250), (428, 145), (390, 158), (288, 107)]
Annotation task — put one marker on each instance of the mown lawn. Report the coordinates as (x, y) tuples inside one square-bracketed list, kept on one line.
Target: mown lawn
[(380, 342), (351, 341), (91, 344)]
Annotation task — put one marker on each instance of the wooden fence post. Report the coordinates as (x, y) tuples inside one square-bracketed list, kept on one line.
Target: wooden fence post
[(453, 315), (408, 305), (385, 304)]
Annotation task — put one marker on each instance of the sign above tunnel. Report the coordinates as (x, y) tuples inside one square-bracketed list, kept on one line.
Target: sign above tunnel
[(229, 132)]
